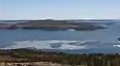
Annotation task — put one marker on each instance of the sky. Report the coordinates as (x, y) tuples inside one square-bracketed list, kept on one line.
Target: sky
[(59, 9)]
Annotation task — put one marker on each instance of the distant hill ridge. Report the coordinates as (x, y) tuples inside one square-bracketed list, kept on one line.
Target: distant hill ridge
[(50, 24)]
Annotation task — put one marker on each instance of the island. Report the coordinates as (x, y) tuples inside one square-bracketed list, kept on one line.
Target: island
[(52, 25)]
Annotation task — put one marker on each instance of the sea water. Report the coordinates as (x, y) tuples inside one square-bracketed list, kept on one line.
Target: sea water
[(103, 40)]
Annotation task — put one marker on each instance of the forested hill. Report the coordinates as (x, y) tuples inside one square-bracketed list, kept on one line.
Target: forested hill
[(50, 24), (59, 25)]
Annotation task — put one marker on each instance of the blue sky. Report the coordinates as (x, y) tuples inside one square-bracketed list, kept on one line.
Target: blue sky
[(59, 9)]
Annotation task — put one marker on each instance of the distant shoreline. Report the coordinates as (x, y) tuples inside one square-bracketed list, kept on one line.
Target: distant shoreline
[(53, 25)]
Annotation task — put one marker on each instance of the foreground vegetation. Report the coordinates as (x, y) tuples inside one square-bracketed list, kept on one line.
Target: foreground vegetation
[(25, 55)]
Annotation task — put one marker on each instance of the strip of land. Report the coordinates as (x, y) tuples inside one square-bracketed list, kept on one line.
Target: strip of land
[(52, 25)]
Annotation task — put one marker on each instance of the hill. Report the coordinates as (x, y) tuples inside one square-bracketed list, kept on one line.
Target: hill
[(58, 25)]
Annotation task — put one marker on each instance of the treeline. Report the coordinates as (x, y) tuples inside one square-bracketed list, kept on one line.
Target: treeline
[(62, 58)]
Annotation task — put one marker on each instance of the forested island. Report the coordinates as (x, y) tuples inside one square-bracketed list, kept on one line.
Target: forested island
[(54, 25)]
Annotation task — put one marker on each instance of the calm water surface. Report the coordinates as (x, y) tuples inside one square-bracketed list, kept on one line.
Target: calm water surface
[(7, 37)]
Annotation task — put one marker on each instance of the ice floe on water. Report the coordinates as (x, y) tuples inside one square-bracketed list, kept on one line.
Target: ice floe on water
[(62, 44)]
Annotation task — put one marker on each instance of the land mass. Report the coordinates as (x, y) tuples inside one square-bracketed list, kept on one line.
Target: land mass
[(17, 57), (54, 25)]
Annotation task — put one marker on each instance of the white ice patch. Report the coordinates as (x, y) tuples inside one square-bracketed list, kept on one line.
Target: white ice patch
[(116, 45), (62, 44), (72, 47), (47, 44)]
